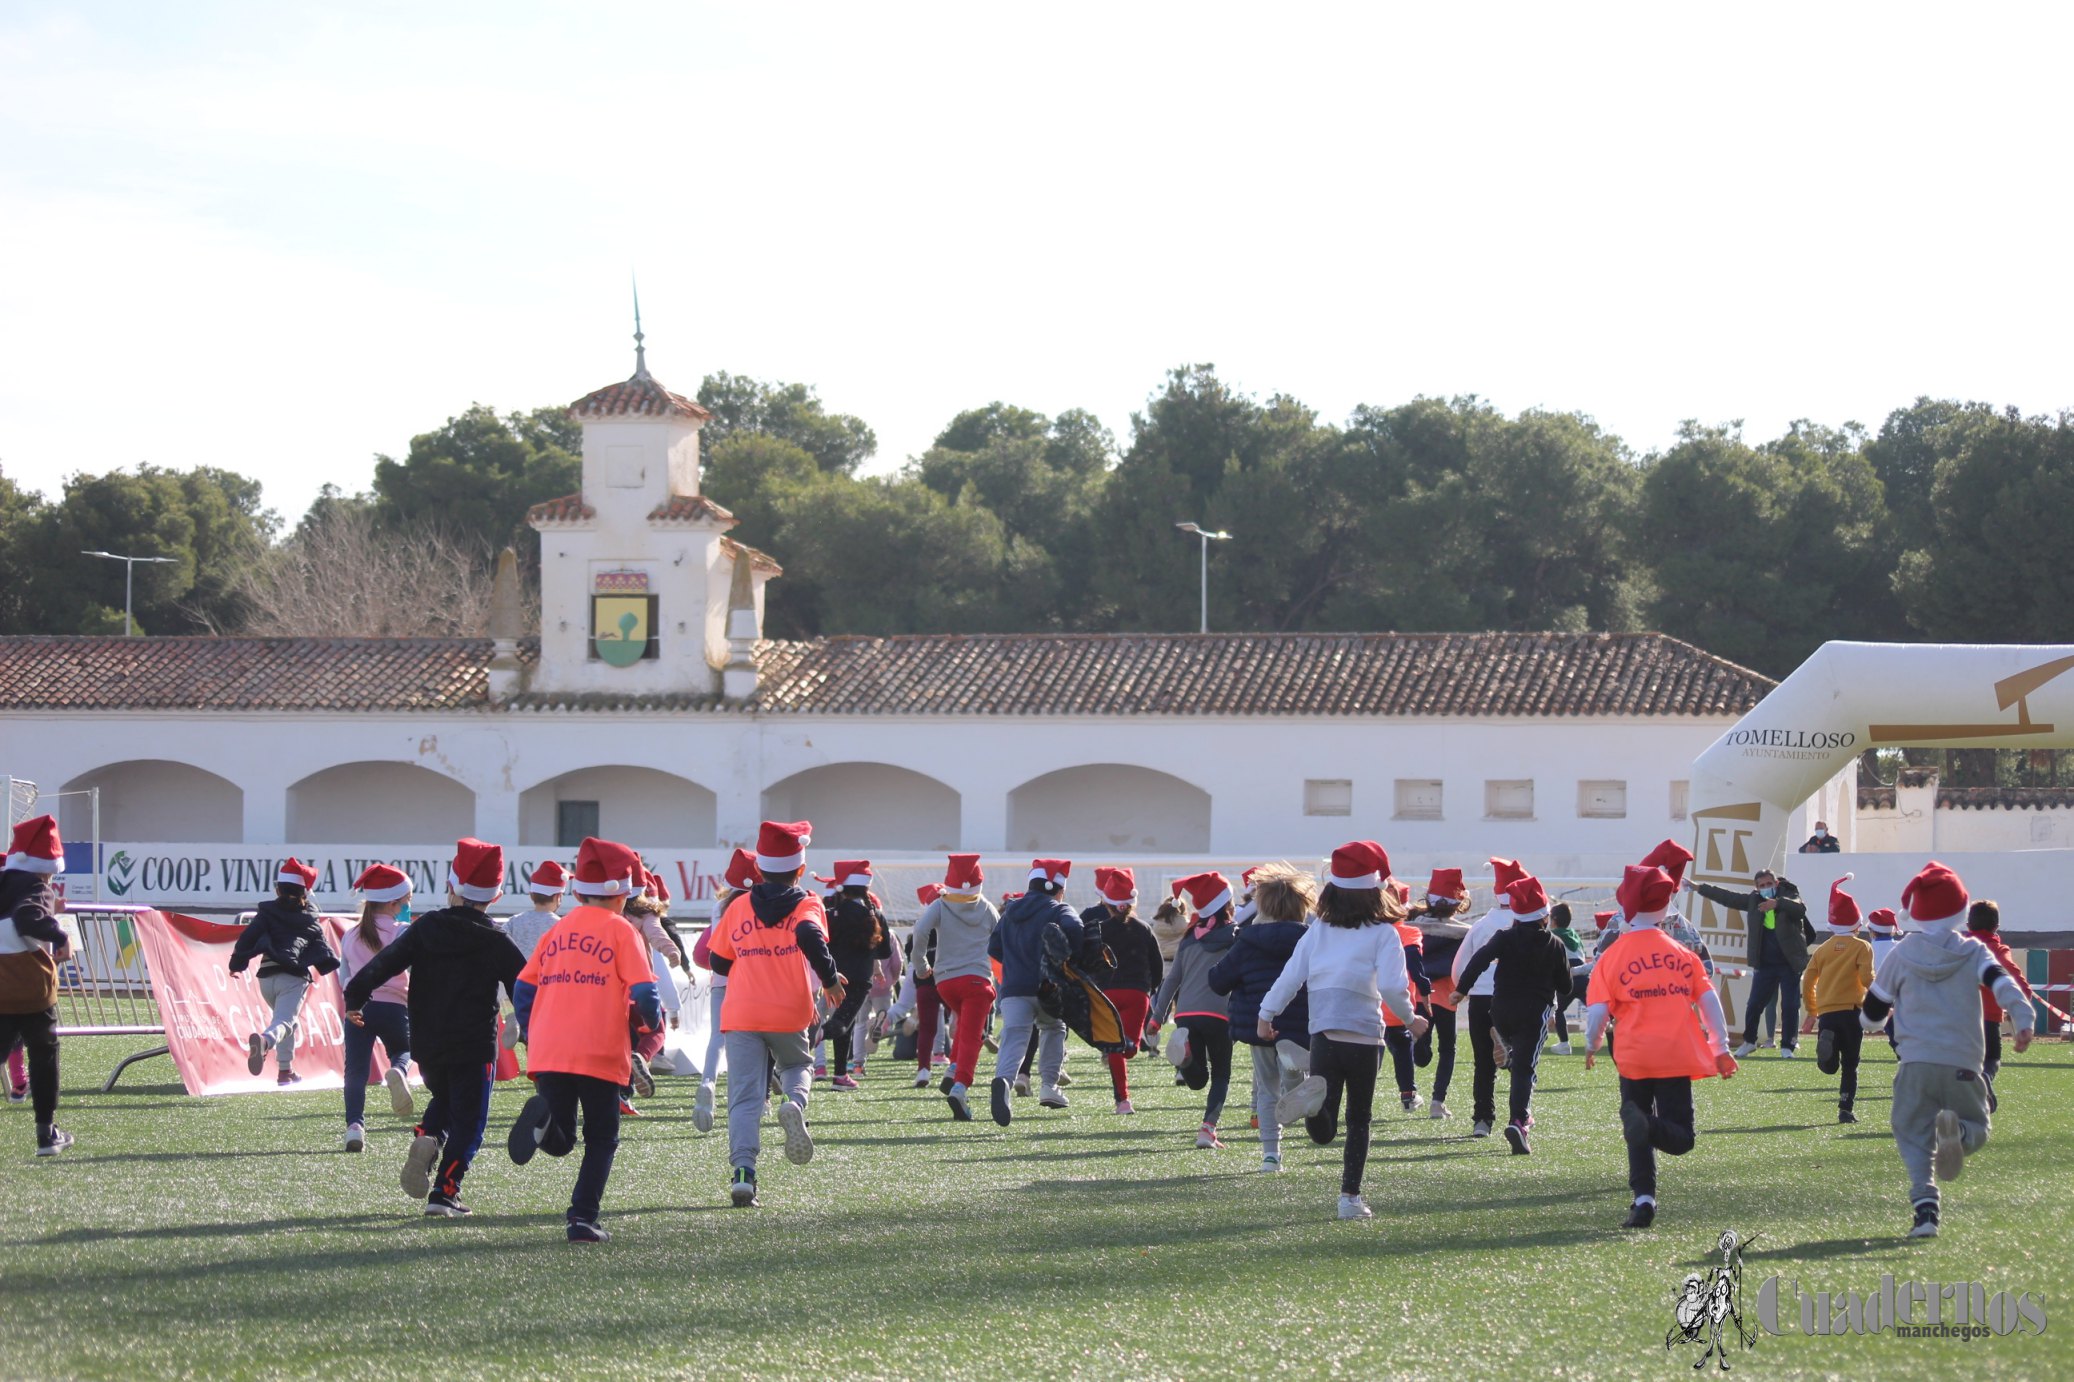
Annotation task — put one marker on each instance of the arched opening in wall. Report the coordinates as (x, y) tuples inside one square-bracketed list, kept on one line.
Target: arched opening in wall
[(156, 801), (379, 804), (1109, 806), (866, 806), (642, 807)]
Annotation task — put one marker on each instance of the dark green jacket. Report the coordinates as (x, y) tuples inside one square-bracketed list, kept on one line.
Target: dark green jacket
[(1787, 909)]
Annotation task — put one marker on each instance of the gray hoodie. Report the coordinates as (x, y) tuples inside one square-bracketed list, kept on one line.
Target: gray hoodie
[(1186, 987), (961, 930), (1932, 981)]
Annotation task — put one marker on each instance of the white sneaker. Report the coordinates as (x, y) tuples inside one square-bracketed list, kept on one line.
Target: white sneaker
[(1124, 1106), (1412, 1102), (1177, 1048), (1789, 1052), (1562, 1048), (1743, 1051), (702, 1109), (507, 1037), (1301, 1102), (1207, 1139), (1440, 1110), (1022, 1086), (1354, 1207), (799, 1143), (400, 1102), (1049, 1097), (417, 1166), (356, 1137), (638, 1076), (1064, 1079), (1949, 1156), (1270, 1164), (921, 1079)]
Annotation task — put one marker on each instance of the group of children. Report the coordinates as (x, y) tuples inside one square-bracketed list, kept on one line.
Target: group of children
[(1318, 978)]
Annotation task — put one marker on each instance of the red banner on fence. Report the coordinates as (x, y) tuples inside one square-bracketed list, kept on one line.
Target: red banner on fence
[(209, 1012)]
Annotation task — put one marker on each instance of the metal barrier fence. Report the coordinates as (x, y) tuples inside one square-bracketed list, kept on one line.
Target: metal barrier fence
[(104, 989)]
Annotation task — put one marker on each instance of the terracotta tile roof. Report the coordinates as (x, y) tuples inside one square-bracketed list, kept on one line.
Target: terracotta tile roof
[(689, 509), (1533, 674), (570, 508), (762, 561), (1620, 675), (639, 396)]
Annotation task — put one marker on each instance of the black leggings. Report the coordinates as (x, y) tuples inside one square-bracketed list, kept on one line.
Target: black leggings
[(1440, 1038), (1668, 1128), (1398, 1039), (842, 1020), (1352, 1068), (1209, 1060), (38, 1035)]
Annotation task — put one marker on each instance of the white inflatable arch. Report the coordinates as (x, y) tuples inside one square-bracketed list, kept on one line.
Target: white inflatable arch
[(1850, 697)]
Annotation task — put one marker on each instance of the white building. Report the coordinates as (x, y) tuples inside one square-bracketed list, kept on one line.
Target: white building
[(652, 710)]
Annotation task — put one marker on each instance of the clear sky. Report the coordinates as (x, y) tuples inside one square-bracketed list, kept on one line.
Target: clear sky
[(282, 238)]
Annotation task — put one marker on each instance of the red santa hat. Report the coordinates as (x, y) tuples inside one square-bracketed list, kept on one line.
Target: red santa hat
[(1671, 857), (853, 873), (1645, 890), (781, 846), (963, 875), (1527, 898), (1398, 889), (477, 872), (1120, 886), (296, 874), (1935, 894), (658, 887), (1052, 871), (1843, 908), (36, 847), (828, 886), (1602, 920), (1504, 873), (1358, 865), (548, 879), (1208, 893), (1883, 919), (928, 893), (605, 868), (741, 871), (1246, 878), (381, 883), (1007, 898), (1446, 883)]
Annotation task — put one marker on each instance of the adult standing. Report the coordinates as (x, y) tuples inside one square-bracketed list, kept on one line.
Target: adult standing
[(1776, 922), (1821, 842)]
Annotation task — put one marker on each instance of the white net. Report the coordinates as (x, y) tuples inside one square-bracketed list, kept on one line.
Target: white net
[(21, 799)]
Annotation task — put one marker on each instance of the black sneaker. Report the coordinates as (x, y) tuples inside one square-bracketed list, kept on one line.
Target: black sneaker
[(587, 1231), (1516, 1134), (1826, 1059), (960, 1110), (441, 1206), (943, 1085), (742, 1189), (1003, 1114), (1641, 1214), (1844, 1114), (52, 1139), (527, 1132), (641, 1081), (255, 1053), (1926, 1221)]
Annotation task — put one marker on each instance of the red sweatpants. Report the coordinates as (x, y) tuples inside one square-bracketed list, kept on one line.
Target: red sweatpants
[(1133, 1006), (969, 999)]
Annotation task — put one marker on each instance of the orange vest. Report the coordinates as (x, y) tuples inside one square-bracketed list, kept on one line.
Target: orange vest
[(1649, 984), (770, 988)]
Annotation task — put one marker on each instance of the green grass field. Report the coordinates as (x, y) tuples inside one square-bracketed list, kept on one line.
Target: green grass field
[(231, 1237)]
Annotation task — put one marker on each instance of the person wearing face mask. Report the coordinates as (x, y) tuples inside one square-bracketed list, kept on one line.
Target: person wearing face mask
[(1821, 842), (1778, 951)]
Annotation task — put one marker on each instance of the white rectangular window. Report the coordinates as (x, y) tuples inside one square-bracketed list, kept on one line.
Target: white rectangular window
[(1510, 799), (1328, 797), (1418, 799), (1602, 799), (1681, 799)]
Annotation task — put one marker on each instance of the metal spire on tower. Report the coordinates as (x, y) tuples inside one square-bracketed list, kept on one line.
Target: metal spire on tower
[(640, 351)]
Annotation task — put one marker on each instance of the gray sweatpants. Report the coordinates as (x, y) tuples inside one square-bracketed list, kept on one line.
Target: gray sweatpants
[(749, 1055), (283, 993), (1920, 1091), (1018, 1016), (1272, 1078)]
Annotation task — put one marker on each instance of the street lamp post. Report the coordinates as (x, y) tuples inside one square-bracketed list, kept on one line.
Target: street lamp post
[(1208, 538), (129, 581)]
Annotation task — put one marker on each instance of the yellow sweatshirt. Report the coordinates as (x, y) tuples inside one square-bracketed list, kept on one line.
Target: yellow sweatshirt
[(1837, 976)]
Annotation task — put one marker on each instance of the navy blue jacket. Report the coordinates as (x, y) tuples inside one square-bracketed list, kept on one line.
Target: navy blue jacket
[(1249, 969), (1018, 942), (285, 939)]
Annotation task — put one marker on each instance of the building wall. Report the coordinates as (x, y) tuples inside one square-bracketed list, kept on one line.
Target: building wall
[(868, 806), (154, 799), (638, 806), (377, 801)]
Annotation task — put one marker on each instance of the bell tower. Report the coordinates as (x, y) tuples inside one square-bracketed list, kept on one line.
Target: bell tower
[(637, 573)]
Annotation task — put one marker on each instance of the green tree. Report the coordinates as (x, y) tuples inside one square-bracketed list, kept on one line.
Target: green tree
[(838, 442), (21, 520), (476, 476), (884, 555)]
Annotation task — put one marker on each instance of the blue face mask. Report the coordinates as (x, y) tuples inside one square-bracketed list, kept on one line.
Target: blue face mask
[(403, 915), (1768, 892)]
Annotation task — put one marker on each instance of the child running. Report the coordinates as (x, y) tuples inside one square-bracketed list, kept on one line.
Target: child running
[(1573, 944), (1658, 994), (1135, 975), (458, 961), (1533, 976), (1930, 985), (1441, 936), (1984, 924), (1352, 964), (773, 950), (957, 927), (1201, 1045), (572, 1000), (32, 946), (740, 877), (1018, 943), (1833, 987), (859, 940), (384, 897), (1282, 899), (287, 938), (1483, 1047)]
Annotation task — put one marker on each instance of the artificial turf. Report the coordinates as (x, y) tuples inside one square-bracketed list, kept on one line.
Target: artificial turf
[(232, 1237)]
